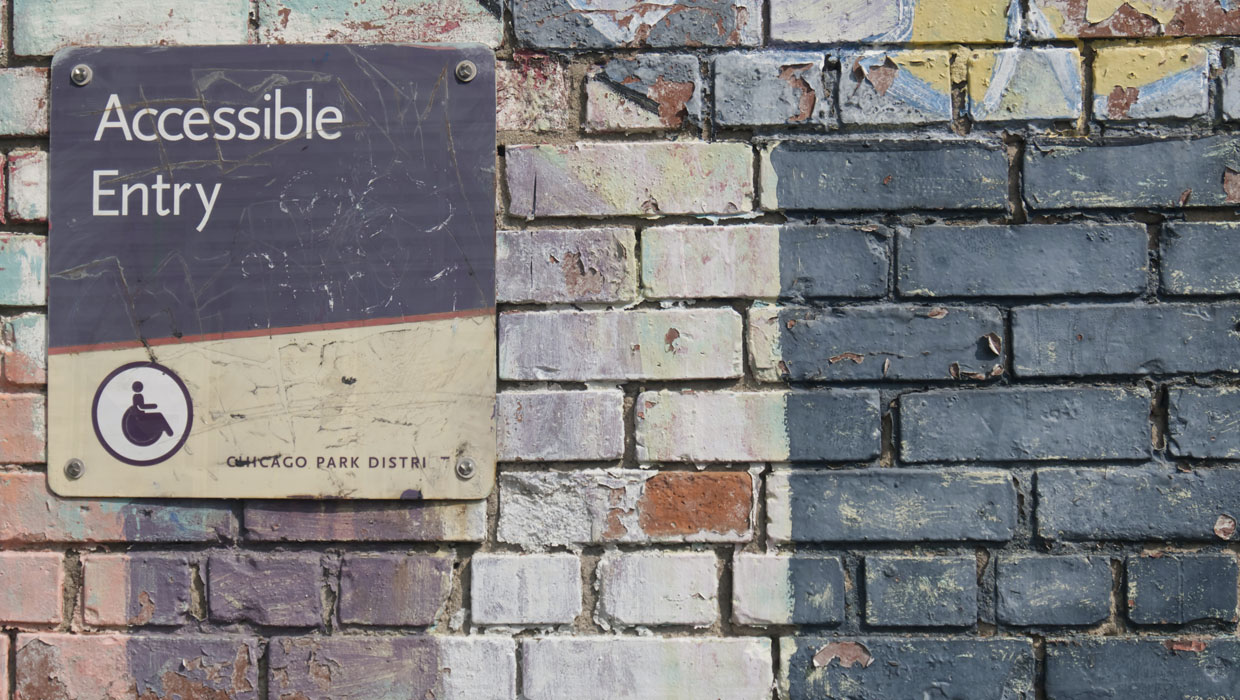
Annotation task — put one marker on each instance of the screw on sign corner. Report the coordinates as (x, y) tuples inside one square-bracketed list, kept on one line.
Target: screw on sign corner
[(465, 469), (74, 469), (466, 71), (81, 74)]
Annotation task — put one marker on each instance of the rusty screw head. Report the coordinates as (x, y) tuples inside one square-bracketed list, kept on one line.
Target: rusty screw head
[(465, 469), (81, 74), (466, 71), (74, 469)]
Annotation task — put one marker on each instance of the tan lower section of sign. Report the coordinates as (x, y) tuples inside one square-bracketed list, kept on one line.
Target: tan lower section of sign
[(374, 412)]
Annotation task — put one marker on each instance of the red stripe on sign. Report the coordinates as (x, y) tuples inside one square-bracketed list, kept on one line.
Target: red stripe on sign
[(260, 332)]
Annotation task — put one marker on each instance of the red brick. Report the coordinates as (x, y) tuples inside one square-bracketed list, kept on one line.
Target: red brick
[(23, 428), (31, 587)]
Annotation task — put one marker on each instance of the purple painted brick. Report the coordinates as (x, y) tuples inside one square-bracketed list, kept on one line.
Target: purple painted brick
[(561, 425), (393, 589), (321, 521), (265, 589), (566, 265), (135, 589)]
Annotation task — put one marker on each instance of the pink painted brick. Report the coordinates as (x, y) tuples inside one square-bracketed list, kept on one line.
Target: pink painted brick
[(266, 589), (345, 521), (377, 22), (40, 28), (4, 667), (23, 428), (620, 345), (686, 262), (23, 112), (658, 588), (23, 349), (640, 179), (23, 269), (561, 425), (394, 589), (135, 589), (32, 514), (137, 667), (566, 265), (525, 589), (531, 94), (565, 668), (31, 587), (27, 188)]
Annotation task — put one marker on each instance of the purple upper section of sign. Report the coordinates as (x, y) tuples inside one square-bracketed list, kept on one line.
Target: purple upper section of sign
[(380, 208)]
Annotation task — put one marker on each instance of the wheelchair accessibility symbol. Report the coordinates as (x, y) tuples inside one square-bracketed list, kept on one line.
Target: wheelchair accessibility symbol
[(142, 413)]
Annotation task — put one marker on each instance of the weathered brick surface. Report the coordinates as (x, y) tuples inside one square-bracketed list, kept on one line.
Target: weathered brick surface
[(23, 259), (876, 343), (1163, 81), (885, 21), (857, 506), (1073, 341), (1171, 589), (638, 344), (772, 589), (337, 521), (879, 668), (1138, 504), (525, 589), (1142, 669), (566, 265), (1230, 83), (1050, 19), (268, 589), (565, 25), (120, 667), (1073, 175), (939, 591), (23, 349), (33, 515), (354, 668), (311, 22), (653, 588), (897, 88), (24, 112), (798, 426), (41, 28), (1022, 85), (1203, 422), (1053, 590), (644, 93), (393, 589), (772, 88), (884, 175), (821, 261), (596, 179), (135, 589), (531, 93), (1029, 260), (561, 425), (568, 669), (31, 588), (1196, 258), (27, 185), (540, 509), (24, 417), (1022, 424)]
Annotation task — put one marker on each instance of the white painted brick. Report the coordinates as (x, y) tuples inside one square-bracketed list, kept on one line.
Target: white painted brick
[(658, 589), (27, 185), (23, 260), (23, 348), (620, 345), (23, 111), (566, 265), (477, 668), (525, 589), (562, 668), (41, 27), (761, 589), (377, 22), (685, 262), (675, 426), (561, 425), (531, 94)]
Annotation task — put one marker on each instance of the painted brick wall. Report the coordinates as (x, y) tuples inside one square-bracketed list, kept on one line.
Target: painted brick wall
[(880, 350)]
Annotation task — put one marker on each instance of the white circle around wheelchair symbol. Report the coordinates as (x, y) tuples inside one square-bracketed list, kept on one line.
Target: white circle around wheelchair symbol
[(142, 413)]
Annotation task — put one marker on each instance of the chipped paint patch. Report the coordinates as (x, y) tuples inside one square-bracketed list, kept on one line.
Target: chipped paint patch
[(1151, 82)]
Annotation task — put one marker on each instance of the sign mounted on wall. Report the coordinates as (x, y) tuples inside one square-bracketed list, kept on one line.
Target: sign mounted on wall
[(272, 272)]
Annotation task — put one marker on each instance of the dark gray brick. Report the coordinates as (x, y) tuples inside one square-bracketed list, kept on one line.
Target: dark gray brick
[(1053, 590), (1142, 669), (939, 591), (1172, 589), (563, 24), (817, 590), (906, 505), (1137, 504), (1013, 424), (770, 88), (1031, 260), (884, 175), (893, 668), (266, 589), (1164, 174), (833, 426), (832, 261), (1204, 422), (658, 82), (1100, 339), (1200, 258), (889, 342)]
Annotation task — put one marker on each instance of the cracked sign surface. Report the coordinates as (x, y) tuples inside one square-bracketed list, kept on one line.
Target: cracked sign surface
[(272, 273)]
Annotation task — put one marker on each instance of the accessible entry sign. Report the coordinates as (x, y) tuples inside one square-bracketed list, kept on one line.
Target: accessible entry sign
[(272, 272)]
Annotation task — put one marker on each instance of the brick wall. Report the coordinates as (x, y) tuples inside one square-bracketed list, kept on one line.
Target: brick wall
[(878, 350)]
